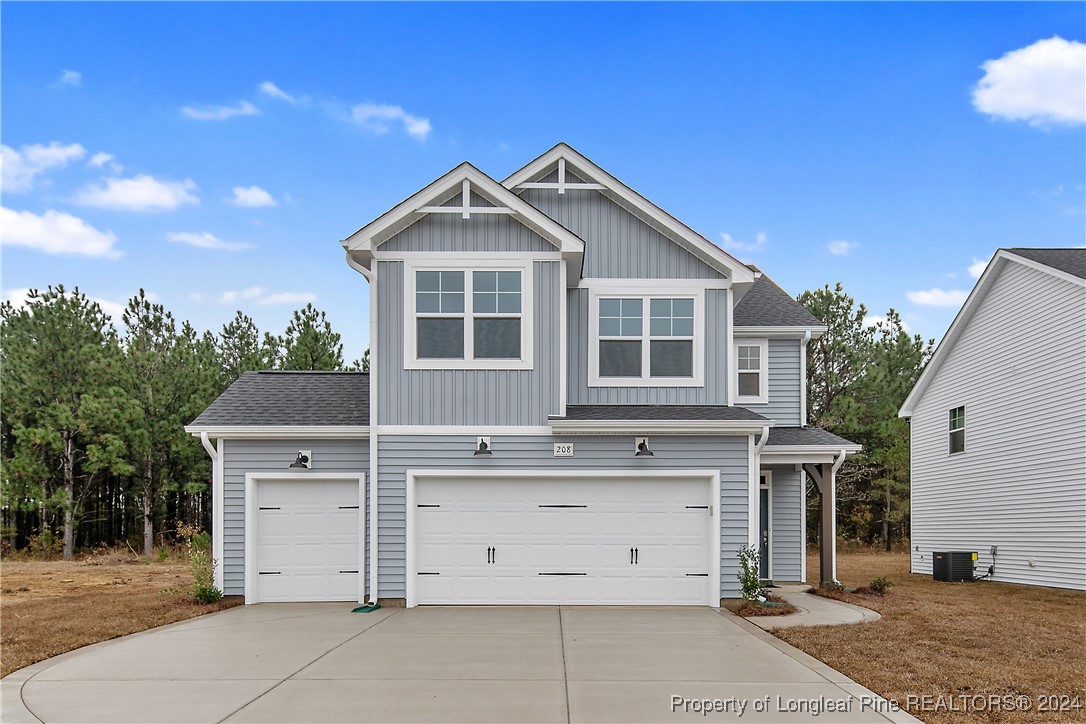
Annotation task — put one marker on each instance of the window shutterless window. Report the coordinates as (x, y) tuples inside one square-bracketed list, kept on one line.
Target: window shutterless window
[(751, 364), (645, 340), (957, 430)]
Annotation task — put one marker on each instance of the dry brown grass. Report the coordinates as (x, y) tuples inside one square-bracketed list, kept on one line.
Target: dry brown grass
[(956, 639), (746, 609), (49, 607)]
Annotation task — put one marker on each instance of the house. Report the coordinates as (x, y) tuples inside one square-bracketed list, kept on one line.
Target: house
[(573, 398), (998, 422)]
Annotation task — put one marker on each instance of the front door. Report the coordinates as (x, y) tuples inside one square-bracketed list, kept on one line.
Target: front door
[(763, 527)]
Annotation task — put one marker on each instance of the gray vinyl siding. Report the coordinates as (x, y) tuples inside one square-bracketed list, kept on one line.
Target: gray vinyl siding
[(251, 456), (617, 243), (453, 233), (399, 452), (714, 392), (787, 507), (785, 384), (467, 397), (1020, 371)]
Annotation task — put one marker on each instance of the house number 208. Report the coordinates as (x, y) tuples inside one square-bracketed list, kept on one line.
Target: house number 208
[(563, 449)]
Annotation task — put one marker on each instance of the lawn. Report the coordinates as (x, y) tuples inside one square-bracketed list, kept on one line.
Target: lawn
[(957, 640), (49, 607)]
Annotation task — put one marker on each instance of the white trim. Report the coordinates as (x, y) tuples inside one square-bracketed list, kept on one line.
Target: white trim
[(772, 458), (495, 262), (635, 291), (634, 202), (264, 432), (219, 513), (729, 342), (412, 475), (251, 480), (812, 449), (473, 430), (563, 343), (957, 327), (781, 332), (657, 427), (768, 485), (763, 371), (653, 284), (802, 522), (951, 430), (803, 379), (458, 259), (373, 478)]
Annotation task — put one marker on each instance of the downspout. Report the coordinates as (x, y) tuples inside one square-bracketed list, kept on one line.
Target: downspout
[(216, 509), (371, 512), (803, 378), (753, 497)]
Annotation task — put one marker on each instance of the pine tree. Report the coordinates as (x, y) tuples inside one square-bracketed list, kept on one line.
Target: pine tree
[(310, 343)]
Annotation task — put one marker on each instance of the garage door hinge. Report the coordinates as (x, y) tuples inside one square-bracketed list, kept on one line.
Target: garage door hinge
[(701, 507), (348, 507), (563, 574), (271, 573), (427, 505), (268, 508), (348, 571), (700, 575), (563, 506), (428, 573)]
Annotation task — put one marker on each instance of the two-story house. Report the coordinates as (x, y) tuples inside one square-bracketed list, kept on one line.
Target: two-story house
[(574, 398)]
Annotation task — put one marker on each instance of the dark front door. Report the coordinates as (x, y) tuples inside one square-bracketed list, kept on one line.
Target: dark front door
[(763, 530)]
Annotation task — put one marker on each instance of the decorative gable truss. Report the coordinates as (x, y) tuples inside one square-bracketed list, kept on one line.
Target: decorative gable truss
[(465, 191)]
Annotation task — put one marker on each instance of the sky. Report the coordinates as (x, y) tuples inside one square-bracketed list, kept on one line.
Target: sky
[(214, 154)]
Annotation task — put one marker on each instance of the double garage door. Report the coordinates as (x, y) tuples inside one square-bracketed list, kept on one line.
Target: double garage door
[(572, 541)]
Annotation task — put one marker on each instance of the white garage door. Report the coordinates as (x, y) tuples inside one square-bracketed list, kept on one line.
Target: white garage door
[(307, 540), (563, 541)]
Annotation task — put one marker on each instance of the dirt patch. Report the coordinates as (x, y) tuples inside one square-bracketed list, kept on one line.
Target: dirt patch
[(49, 607), (956, 641), (746, 609)]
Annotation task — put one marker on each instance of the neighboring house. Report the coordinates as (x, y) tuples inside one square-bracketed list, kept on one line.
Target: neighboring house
[(999, 425), (574, 398)]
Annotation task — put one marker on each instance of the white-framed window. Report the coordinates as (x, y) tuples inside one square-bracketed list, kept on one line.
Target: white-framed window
[(957, 430), (461, 315), (646, 340), (751, 371)]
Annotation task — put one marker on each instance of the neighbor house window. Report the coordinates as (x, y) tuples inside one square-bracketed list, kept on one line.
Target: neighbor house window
[(752, 377), (645, 341), (468, 319), (957, 430)]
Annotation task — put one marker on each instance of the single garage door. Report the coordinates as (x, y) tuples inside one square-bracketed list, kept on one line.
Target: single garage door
[(307, 540), (563, 541)]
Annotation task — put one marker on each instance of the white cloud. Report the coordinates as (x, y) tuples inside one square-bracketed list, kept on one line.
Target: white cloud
[(140, 193), (1043, 83), (259, 296), (206, 240), (22, 167), (71, 77), (102, 159), (977, 267), (55, 232), (273, 91), (731, 244), (379, 118), (19, 298), (876, 319), (938, 297), (841, 247), (220, 113), (252, 197)]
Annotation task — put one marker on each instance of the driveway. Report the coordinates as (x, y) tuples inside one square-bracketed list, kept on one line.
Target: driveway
[(320, 663)]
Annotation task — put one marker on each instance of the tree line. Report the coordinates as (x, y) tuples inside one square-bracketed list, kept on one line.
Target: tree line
[(94, 452)]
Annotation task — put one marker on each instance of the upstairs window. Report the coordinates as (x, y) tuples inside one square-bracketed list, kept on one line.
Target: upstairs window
[(752, 371), (645, 341), (957, 430), (467, 319)]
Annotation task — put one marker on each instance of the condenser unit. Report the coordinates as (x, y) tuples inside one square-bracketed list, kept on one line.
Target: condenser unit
[(953, 565)]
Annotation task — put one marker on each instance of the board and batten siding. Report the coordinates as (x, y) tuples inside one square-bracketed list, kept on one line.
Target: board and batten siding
[(451, 233), (467, 397), (274, 456), (714, 392), (785, 383), (618, 245), (787, 507), (397, 453), (1019, 369)]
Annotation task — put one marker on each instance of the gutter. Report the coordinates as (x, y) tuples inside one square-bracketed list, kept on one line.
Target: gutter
[(371, 512), (762, 443), (658, 427)]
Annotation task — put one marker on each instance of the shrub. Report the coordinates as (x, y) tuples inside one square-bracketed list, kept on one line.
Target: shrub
[(201, 564), (749, 578), (880, 585)]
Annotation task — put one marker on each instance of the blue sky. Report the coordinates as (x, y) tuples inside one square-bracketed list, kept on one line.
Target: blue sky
[(135, 134)]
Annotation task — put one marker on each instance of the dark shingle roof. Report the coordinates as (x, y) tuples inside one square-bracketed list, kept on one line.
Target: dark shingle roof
[(1072, 261), (291, 398), (767, 305), (659, 412), (804, 436)]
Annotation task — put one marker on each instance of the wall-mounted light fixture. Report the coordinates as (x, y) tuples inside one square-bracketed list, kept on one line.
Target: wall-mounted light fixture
[(643, 448), (482, 446), (302, 462)]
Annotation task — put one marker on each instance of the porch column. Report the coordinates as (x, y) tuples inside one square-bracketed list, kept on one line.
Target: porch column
[(827, 539)]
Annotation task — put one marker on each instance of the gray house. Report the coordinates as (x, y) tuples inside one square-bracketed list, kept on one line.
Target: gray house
[(999, 425), (574, 399)]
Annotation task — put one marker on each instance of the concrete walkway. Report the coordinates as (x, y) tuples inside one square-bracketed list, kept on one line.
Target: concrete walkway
[(813, 611), (320, 663)]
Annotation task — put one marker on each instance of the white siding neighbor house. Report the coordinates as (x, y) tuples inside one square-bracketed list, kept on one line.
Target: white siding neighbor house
[(999, 425)]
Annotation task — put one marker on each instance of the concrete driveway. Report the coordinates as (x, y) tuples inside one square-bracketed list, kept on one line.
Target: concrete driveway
[(320, 663)]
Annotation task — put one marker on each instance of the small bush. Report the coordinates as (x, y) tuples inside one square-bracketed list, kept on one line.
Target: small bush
[(749, 578), (880, 585), (201, 564)]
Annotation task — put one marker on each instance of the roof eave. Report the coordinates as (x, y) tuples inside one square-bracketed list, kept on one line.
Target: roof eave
[(264, 432), (659, 427)]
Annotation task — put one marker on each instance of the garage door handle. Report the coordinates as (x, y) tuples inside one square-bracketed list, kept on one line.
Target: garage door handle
[(271, 573), (489, 554), (563, 574)]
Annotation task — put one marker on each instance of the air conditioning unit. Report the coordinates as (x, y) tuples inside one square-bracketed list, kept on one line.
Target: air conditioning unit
[(953, 565)]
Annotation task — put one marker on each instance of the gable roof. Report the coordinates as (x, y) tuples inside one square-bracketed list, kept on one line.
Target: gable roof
[(361, 245), (767, 305), (637, 205), (286, 398), (1060, 263)]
